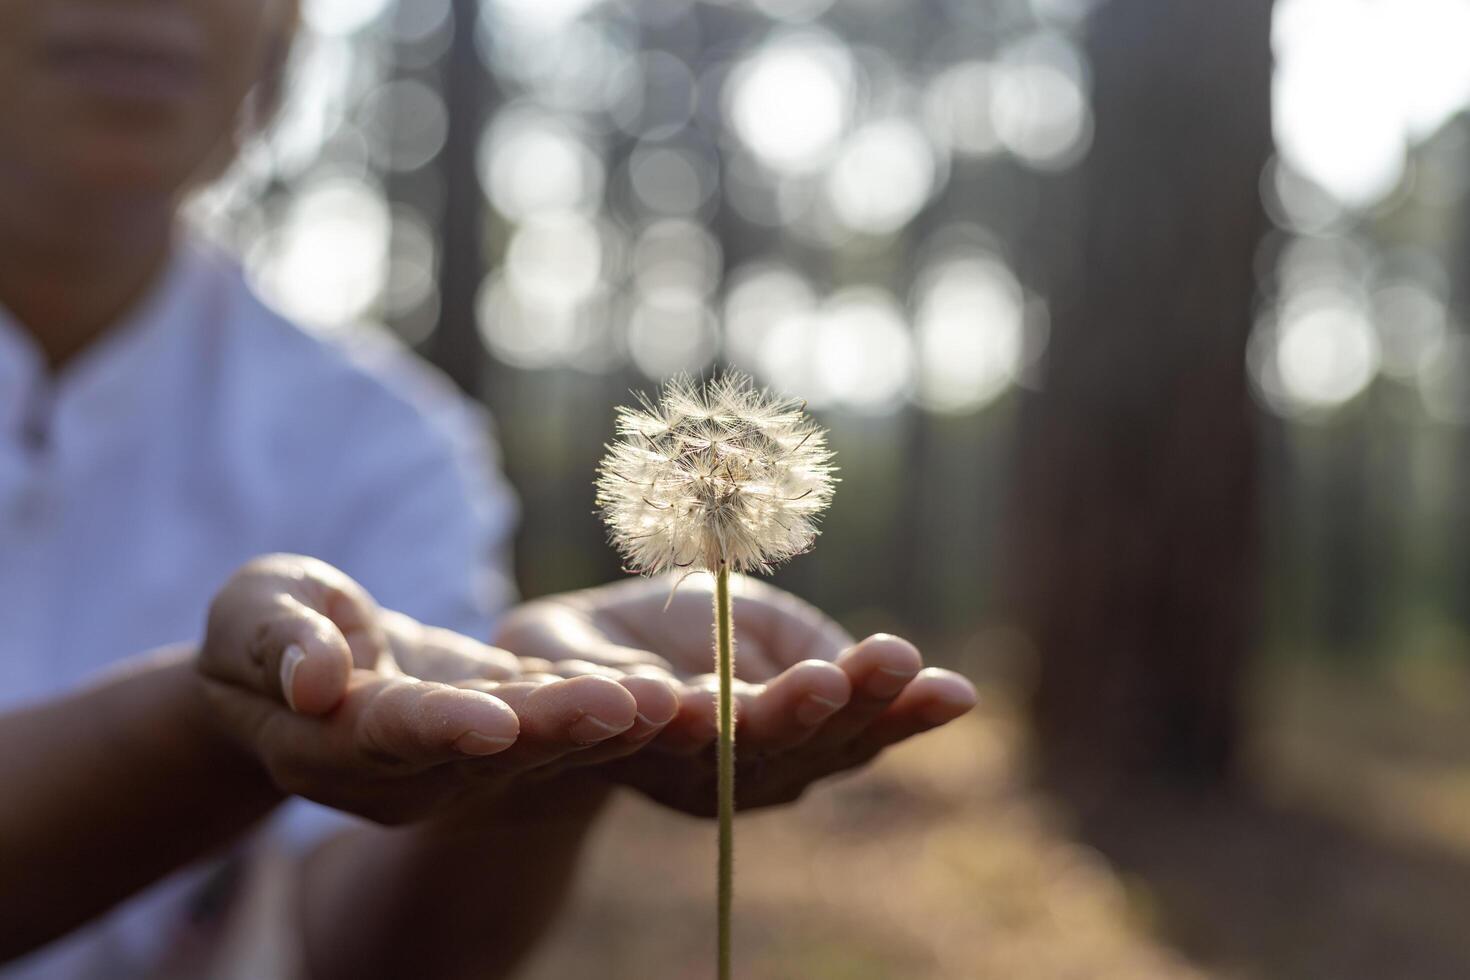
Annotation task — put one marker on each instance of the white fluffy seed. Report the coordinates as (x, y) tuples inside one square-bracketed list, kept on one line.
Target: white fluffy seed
[(725, 472)]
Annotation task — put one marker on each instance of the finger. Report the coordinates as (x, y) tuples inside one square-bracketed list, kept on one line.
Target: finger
[(350, 609), (433, 654), (789, 709), (413, 724), (878, 668), (696, 724), (657, 705), (789, 629), (278, 627), (579, 668), (665, 622), (935, 697), (290, 653), (561, 716)]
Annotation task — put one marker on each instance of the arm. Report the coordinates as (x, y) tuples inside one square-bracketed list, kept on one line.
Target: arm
[(429, 535), (93, 805), (484, 838), (449, 899)]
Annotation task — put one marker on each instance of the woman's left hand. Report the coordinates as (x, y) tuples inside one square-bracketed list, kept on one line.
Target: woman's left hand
[(809, 701)]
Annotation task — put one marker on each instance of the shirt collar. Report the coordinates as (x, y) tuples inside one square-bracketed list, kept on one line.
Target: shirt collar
[(22, 368), (102, 389)]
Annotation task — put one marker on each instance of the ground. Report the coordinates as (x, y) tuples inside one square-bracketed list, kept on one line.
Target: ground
[(1347, 859)]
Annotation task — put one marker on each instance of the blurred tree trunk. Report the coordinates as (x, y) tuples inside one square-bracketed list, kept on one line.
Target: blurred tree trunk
[(455, 344), (1136, 511)]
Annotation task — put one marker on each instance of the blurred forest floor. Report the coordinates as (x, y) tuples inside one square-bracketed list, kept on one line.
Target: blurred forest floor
[(1348, 859)]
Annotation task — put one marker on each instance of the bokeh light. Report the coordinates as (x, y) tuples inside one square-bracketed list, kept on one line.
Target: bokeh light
[(1318, 351), (412, 267), (862, 349), (1444, 380), (576, 68), (791, 100), (882, 177), (970, 325), (676, 254), (542, 16), (957, 109), (671, 331), (408, 124), (1039, 103), (522, 333), (327, 261), (341, 17), (1358, 82), (658, 96), (531, 162), (555, 257), (631, 151), (764, 297), (1327, 352), (1412, 322), (792, 11), (670, 179)]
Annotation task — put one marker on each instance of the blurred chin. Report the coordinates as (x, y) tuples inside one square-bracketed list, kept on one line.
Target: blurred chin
[(126, 164)]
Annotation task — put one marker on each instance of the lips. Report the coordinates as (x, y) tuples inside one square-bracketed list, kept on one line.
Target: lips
[(124, 54)]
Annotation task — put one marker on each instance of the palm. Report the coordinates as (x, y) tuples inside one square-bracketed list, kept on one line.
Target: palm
[(372, 712), (809, 703), (773, 629)]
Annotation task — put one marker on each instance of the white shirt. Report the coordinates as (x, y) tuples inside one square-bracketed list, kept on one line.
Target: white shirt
[(202, 431)]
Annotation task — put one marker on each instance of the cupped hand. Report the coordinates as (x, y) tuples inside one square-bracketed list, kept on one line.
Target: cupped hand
[(371, 712), (809, 701)]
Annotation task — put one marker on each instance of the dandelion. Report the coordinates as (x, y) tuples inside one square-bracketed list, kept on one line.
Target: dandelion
[(721, 478), (728, 476)]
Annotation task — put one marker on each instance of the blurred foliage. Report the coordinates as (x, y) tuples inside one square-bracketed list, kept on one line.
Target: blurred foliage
[(869, 203), (856, 201), (832, 196)]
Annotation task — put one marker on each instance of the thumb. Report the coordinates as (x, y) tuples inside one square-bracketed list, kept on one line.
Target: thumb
[(269, 634)]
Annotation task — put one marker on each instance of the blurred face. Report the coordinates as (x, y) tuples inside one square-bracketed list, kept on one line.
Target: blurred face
[(126, 96)]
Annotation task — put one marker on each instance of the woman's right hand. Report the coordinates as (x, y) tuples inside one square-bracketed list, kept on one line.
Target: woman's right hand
[(370, 712)]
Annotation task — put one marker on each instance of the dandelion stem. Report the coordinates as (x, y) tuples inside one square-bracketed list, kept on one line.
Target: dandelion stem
[(725, 665)]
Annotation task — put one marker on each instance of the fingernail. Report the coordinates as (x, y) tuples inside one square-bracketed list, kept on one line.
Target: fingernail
[(885, 682), (814, 710), (290, 660), (648, 726), (478, 743), (642, 730), (588, 730)]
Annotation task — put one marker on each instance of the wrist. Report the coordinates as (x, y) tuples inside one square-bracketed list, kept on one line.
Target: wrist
[(564, 807), (199, 731)]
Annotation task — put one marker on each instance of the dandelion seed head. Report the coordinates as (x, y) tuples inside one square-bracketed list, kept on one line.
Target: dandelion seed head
[(717, 472)]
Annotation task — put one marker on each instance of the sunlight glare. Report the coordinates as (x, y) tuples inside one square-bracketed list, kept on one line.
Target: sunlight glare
[(1040, 108), (789, 102), (1327, 351), (882, 177), (1358, 81), (326, 263), (531, 162), (864, 354), (970, 333)]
